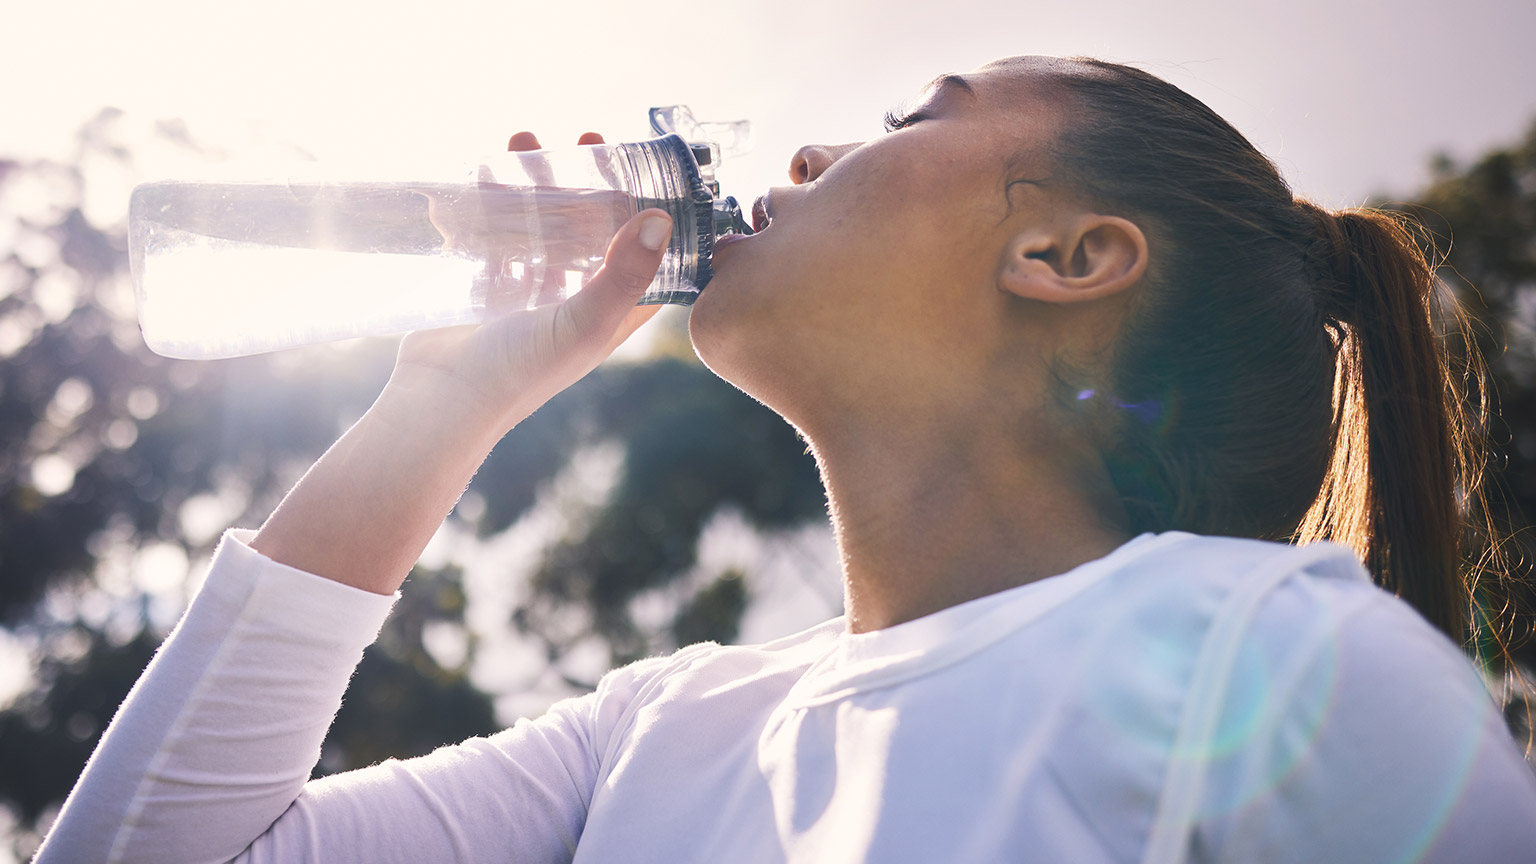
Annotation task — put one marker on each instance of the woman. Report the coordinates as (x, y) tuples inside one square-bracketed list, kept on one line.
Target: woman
[(1060, 307)]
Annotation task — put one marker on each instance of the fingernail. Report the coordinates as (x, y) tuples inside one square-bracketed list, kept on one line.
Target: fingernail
[(654, 231)]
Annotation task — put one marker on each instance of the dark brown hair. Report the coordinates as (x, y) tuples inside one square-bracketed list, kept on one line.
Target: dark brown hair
[(1281, 373)]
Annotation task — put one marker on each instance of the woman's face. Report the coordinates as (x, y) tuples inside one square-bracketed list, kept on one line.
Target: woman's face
[(876, 279)]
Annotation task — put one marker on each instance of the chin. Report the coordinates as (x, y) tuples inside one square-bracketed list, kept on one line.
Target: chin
[(715, 340), (725, 339), (749, 326)]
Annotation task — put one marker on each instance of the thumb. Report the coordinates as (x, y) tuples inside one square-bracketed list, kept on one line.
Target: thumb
[(595, 312)]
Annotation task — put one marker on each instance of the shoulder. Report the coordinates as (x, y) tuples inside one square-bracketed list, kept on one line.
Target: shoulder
[(1351, 729), (1229, 561), (1313, 611), (1171, 589), (708, 671), (1285, 595), (1344, 726), (713, 659), (1309, 635)]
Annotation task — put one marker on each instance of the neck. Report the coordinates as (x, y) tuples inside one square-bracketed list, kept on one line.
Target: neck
[(923, 524)]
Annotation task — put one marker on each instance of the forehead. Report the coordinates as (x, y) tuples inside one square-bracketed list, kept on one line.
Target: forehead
[(1017, 77), (1030, 64), (1009, 84), (1014, 91)]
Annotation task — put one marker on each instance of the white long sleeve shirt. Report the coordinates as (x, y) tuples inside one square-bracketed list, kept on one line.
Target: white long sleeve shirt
[(1315, 720)]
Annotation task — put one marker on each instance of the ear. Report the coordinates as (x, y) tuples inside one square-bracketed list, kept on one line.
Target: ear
[(1088, 258)]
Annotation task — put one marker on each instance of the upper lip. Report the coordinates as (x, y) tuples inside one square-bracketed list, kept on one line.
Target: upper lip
[(761, 216)]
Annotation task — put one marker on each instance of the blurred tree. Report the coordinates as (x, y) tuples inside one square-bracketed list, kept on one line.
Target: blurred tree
[(119, 468), (1483, 216), (693, 445), (45, 738)]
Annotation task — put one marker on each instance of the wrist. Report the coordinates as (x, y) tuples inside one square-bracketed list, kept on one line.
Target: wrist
[(364, 512), (425, 402)]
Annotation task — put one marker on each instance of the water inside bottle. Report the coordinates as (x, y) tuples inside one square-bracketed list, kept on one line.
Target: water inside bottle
[(243, 268)]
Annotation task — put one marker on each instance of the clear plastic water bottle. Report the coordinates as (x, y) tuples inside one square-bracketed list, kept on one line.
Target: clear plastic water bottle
[(228, 269)]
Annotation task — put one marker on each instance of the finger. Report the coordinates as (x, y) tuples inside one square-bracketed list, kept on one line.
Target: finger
[(536, 166), (604, 167), (595, 313), (524, 141)]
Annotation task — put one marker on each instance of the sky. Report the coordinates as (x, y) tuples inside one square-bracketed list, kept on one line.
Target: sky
[(1351, 97)]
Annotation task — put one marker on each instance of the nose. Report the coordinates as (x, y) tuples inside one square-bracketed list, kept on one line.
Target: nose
[(810, 161)]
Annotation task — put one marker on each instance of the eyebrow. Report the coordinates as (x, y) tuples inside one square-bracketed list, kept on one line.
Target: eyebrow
[(952, 80)]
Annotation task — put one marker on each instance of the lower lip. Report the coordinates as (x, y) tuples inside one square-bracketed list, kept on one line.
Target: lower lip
[(727, 239)]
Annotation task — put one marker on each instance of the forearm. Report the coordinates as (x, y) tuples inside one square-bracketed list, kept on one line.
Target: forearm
[(364, 512), (218, 736), (220, 733)]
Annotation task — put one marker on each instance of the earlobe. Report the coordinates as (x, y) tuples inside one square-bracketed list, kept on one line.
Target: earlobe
[(1093, 257)]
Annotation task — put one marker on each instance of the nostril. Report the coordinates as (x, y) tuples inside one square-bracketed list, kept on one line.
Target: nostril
[(799, 170), (808, 163), (813, 160)]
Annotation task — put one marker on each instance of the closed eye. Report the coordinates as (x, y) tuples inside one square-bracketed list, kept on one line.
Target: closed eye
[(897, 119)]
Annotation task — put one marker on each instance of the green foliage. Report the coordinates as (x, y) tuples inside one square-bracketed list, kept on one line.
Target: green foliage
[(46, 737), (1487, 212), (1484, 217), (401, 701), (107, 450), (694, 444), (714, 613)]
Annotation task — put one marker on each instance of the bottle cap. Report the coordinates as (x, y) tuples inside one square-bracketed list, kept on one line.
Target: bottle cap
[(710, 142)]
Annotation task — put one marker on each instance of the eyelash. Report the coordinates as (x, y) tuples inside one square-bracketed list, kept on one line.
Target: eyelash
[(900, 120)]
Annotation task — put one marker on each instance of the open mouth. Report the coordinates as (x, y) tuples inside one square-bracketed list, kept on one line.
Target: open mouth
[(761, 218)]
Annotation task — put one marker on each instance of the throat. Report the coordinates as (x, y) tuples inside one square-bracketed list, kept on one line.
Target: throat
[(917, 536)]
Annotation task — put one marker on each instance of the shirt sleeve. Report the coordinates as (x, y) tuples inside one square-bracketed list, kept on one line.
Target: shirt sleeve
[(209, 756), (1375, 741)]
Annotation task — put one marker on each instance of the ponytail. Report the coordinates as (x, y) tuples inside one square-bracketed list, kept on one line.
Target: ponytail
[(1405, 461), (1296, 372)]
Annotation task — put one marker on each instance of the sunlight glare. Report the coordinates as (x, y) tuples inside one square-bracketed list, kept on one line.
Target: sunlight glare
[(52, 474), (230, 299), (159, 567)]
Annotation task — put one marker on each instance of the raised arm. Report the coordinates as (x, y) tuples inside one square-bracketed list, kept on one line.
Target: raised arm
[(364, 512), (219, 735)]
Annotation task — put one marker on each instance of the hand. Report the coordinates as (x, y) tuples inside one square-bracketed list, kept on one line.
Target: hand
[(506, 368), (528, 259), (364, 512)]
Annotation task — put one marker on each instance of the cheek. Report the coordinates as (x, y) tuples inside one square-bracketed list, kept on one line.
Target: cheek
[(854, 274)]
